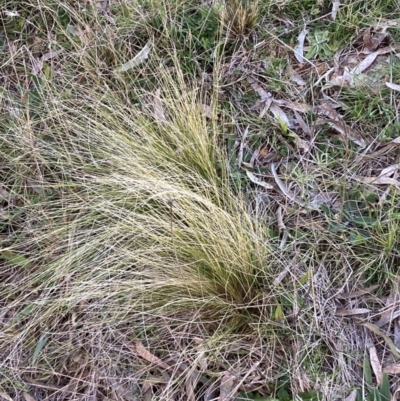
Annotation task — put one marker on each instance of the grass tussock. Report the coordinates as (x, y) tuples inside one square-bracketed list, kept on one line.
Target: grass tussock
[(134, 223)]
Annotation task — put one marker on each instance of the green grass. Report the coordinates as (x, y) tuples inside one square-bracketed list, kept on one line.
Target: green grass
[(139, 260)]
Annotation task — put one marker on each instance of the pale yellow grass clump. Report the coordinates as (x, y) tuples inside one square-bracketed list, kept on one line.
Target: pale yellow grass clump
[(136, 231)]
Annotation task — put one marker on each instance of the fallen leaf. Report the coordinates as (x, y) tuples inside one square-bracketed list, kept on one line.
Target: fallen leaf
[(9, 13), (5, 396), (242, 146), (371, 43), (286, 192), (148, 356), (226, 387), (120, 390), (389, 312), (389, 170), (302, 123), (352, 396), (258, 181), (378, 181), (351, 312), (37, 66), (299, 48), (280, 115), (51, 54), (302, 107), (279, 218), (359, 293), (294, 76), (138, 59), (158, 107), (392, 369), (388, 341), (207, 111), (109, 19), (28, 397), (335, 9), (396, 339), (73, 30), (264, 95), (374, 360), (395, 87)]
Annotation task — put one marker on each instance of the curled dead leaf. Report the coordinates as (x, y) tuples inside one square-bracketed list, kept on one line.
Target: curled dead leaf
[(299, 48), (148, 356), (351, 312), (253, 178)]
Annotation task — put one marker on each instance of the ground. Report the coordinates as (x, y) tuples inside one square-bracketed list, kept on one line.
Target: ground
[(199, 200)]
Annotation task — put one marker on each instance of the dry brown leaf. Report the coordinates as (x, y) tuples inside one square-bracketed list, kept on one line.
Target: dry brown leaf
[(279, 114), (294, 76), (392, 369), (378, 181), (37, 66), (388, 341), (73, 30), (51, 54), (389, 170), (189, 386), (323, 198), (359, 293), (346, 132), (242, 146), (227, 385), (337, 123), (258, 181), (335, 9), (389, 312), (158, 107), (396, 339), (351, 312), (302, 107), (5, 396), (286, 192), (279, 217), (28, 397), (373, 42), (302, 123), (120, 390), (207, 111), (146, 390), (264, 95), (299, 48), (148, 356), (374, 360), (352, 396), (391, 85)]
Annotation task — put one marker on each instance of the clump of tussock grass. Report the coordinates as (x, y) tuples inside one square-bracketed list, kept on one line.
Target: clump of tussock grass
[(136, 225)]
